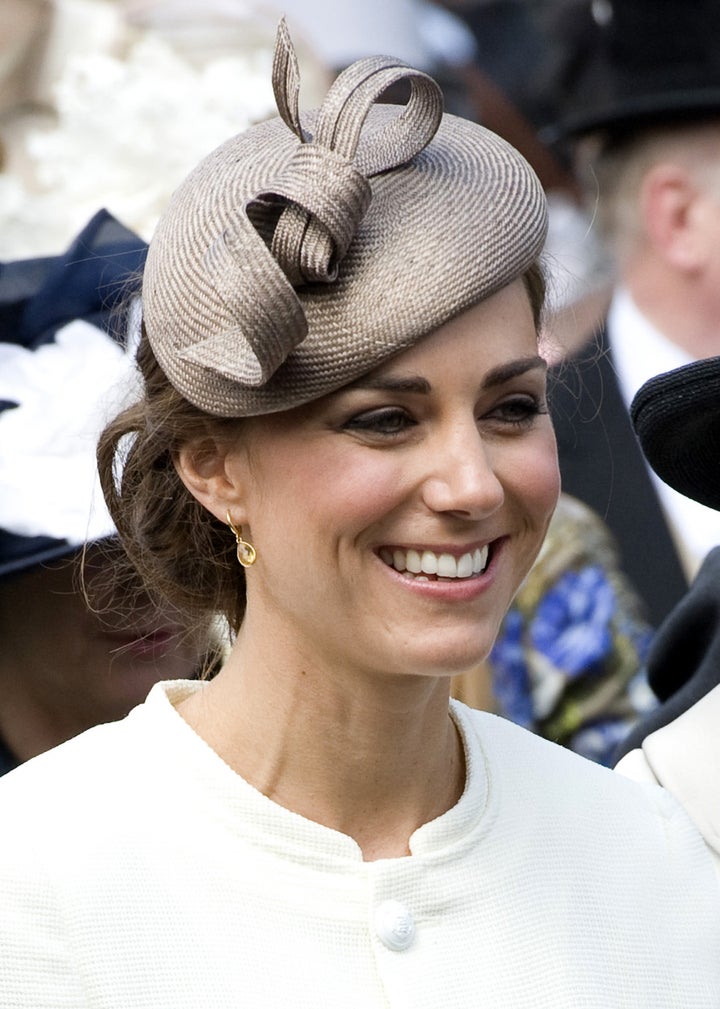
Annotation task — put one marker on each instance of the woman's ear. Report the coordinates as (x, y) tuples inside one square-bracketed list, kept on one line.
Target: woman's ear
[(211, 470)]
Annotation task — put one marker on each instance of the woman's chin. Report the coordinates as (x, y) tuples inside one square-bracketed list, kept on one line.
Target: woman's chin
[(452, 660)]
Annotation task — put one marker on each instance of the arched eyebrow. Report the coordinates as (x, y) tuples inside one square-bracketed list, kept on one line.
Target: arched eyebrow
[(504, 372), (392, 383), (416, 384)]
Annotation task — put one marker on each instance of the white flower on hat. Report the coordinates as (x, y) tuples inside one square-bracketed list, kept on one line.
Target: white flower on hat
[(128, 131), (66, 392)]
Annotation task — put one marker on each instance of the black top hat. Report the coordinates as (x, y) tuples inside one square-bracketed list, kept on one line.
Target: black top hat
[(37, 298), (642, 61), (677, 419)]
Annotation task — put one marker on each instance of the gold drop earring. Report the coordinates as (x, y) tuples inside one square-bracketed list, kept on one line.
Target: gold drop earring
[(246, 552)]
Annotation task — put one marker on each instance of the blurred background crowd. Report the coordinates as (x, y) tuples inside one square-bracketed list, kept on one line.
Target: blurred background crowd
[(105, 105)]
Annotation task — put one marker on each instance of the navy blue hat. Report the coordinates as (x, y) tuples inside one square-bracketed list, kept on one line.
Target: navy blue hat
[(641, 62), (38, 299)]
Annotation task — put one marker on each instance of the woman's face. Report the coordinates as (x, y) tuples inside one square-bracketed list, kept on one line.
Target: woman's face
[(442, 459), (81, 667)]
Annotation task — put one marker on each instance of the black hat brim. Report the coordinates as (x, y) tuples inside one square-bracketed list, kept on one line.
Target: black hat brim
[(639, 111), (677, 419)]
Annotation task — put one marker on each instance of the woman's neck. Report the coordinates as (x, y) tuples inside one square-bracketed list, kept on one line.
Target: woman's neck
[(371, 757)]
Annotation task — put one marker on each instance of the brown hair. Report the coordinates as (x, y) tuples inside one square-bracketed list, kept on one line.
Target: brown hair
[(174, 547)]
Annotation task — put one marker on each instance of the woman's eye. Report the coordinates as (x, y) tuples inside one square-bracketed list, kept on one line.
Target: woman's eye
[(388, 421), (520, 411)]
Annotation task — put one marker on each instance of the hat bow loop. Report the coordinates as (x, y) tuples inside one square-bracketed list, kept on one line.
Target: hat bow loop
[(297, 230)]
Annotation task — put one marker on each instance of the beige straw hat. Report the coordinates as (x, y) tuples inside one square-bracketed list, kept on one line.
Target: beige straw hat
[(291, 262)]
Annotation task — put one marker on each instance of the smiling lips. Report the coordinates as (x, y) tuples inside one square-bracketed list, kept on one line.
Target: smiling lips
[(427, 562)]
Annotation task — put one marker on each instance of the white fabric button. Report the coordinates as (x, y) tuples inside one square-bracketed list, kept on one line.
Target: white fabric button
[(394, 925)]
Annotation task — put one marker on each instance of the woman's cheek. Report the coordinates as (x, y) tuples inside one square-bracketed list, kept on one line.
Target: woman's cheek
[(536, 475), (546, 467)]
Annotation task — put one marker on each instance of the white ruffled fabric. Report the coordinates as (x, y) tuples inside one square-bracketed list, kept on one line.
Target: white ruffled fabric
[(128, 131), (66, 392)]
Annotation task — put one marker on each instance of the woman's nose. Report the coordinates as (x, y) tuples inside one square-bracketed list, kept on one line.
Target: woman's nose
[(461, 477)]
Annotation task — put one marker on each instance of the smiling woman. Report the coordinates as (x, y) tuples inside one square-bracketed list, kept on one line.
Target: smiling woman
[(442, 457), (342, 444)]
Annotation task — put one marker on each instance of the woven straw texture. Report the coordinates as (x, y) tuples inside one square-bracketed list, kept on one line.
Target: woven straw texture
[(291, 262)]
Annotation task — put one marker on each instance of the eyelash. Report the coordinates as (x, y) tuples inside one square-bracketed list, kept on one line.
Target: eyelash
[(522, 410), (379, 421), (393, 421)]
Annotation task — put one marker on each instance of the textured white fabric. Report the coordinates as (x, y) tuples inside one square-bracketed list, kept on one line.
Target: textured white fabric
[(139, 871), (684, 757)]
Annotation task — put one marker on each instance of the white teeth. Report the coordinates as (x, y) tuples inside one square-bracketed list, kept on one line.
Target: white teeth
[(429, 563), (413, 564), (465, 566), (447, 566), (480, 559), (442, 565)]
